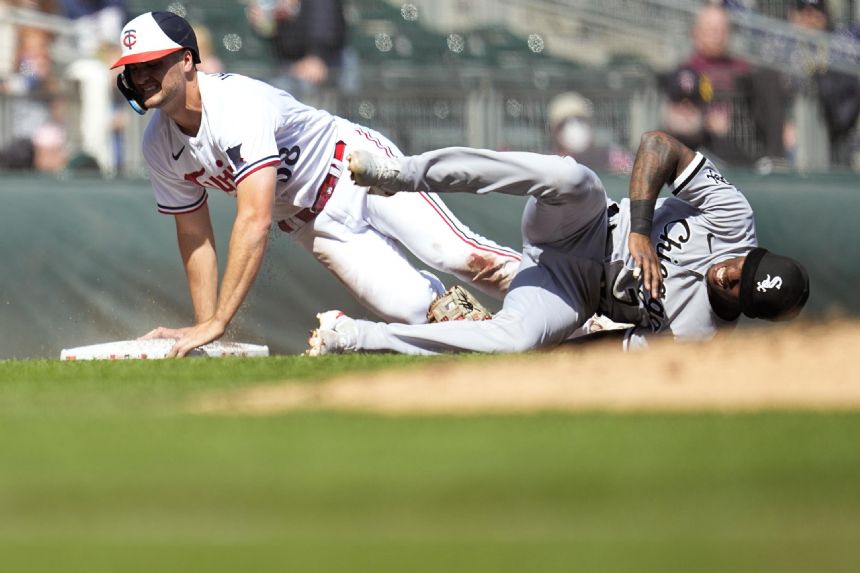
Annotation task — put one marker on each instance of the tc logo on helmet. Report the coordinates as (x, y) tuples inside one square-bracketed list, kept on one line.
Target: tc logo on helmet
[(129, 39)]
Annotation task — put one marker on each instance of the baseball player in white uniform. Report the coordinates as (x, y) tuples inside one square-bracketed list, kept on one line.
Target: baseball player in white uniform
[(684, 269), (283, 162)]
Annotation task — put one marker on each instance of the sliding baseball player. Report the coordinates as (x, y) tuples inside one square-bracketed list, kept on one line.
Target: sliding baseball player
[(684, 267)]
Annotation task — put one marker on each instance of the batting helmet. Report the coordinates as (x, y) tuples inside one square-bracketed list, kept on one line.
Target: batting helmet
[(148, 37)]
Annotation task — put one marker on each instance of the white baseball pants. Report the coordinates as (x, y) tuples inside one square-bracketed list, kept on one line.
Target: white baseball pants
[(360, 239)]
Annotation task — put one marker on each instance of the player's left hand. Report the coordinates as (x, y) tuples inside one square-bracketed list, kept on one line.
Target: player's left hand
[(645, 257), (195, 336), (187, 338)]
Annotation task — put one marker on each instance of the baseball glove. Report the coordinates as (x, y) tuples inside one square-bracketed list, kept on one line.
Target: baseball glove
[(457, 303)]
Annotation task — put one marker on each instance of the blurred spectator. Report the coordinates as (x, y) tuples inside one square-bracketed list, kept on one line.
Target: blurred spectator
[(8, 42), (119, 109), (30, 64), (735, 86), (812, 14), (96, 22), (688, 95), (686, 92), (309, 40), (838, 93), (33, 64), (17, 155), (210, 63), (571, 122), (50, 149), (38, 140), (48, 6), (97, 25), (45, 150), (711, 35)]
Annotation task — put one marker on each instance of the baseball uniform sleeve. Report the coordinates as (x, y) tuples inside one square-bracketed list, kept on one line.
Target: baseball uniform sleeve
[(247, 133), (704, 187), (173, 194)]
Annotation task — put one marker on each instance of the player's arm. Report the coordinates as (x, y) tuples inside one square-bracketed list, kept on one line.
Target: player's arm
[(248, 240), (659, 160), (196, 242)]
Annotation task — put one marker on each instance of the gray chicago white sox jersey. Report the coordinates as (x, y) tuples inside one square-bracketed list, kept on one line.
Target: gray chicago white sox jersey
[(246, 125), (705, 222)]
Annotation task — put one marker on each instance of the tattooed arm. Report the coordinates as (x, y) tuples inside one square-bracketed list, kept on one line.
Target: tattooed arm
[(659, 160)]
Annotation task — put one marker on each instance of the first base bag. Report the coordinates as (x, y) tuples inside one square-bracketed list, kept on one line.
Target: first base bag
[(157, 348)]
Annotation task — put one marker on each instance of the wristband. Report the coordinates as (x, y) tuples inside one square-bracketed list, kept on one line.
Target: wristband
[(641, 216)]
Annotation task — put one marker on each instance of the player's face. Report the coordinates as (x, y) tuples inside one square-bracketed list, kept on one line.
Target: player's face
[(159, 81), (724, 285)]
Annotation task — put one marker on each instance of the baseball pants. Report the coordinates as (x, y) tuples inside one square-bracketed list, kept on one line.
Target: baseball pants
[(360, 238), (564, 229)]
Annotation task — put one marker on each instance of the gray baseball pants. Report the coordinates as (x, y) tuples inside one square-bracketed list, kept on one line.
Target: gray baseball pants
[(564, 227)]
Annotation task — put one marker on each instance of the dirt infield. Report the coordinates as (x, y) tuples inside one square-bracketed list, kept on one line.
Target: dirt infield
[(802, 367)]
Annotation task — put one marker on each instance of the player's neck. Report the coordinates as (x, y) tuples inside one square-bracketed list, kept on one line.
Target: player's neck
[(189, 113)]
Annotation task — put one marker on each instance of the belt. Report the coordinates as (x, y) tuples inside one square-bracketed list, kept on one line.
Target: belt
[(324, 193)]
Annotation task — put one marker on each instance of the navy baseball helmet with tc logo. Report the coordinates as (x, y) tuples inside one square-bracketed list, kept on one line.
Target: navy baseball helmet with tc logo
[(154, 35), (773, 287), (148, 37)]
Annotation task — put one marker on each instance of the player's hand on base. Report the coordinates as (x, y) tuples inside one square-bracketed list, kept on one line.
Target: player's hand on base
[(195, 336), (645, 257)]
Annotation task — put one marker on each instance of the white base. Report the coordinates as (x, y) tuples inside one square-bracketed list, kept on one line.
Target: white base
[(157, 348)]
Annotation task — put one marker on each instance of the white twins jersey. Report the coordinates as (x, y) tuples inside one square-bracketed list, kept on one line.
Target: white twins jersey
[(246, 125), (707, 221)]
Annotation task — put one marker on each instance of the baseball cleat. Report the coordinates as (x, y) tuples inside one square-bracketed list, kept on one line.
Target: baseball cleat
[(335, 334), (377, 172)]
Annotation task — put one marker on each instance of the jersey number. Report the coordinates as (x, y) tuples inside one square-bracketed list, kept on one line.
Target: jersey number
[(289, 157)]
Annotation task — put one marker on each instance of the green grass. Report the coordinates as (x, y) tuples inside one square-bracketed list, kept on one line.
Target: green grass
[(101, 470)]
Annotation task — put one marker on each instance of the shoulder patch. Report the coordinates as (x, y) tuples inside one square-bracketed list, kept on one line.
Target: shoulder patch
[(235, 155)]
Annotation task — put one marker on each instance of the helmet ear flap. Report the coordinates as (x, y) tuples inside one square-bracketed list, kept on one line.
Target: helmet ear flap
[(135, 99)]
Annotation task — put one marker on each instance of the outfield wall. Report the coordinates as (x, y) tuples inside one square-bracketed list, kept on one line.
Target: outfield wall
[(89, 260)]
